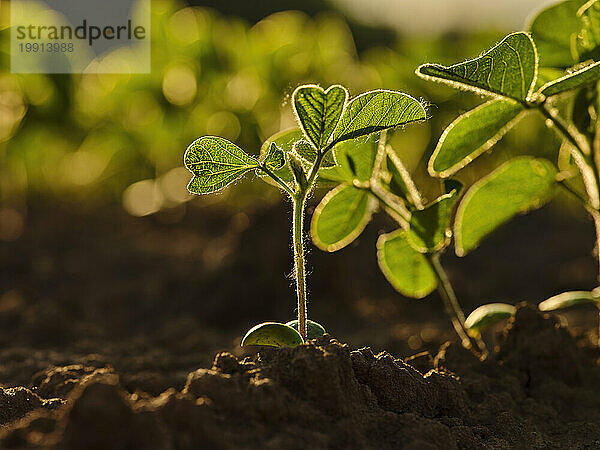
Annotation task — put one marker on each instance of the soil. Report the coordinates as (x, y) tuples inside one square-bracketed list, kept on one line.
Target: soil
[(122, 333)]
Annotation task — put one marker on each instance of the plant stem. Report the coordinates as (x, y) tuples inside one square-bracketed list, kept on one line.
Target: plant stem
[(299, 203), (444, 286), (299, 265), (453, 309), (587, 168), (278, 180), (402, 213)]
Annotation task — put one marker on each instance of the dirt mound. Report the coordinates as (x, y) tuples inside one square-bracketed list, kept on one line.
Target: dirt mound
[(323, 395)]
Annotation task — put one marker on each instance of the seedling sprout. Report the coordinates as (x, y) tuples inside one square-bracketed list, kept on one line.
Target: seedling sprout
[(293, 161)]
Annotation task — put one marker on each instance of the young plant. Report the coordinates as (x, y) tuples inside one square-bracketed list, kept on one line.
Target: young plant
[(369, 174), (293, 160), (520, 77), (486, 316)]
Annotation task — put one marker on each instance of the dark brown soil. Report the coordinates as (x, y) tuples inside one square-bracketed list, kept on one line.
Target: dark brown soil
[(108, 326), (540, 391)]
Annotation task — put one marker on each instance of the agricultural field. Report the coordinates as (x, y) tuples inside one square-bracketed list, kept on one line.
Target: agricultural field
[(303, 227)]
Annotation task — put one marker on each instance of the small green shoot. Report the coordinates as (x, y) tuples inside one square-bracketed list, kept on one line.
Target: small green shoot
[(487, 315), (569, 299), (294, 160), (273, 334)]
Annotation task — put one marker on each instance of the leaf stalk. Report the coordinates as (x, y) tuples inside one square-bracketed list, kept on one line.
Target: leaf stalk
[(444, 286)]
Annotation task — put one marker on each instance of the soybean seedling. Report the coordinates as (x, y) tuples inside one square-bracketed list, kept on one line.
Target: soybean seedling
[(369, 174), (292, 160), (520, 77)]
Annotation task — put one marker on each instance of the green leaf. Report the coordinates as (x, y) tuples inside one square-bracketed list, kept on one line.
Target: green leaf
[(355, 160), (314, 330), (340, 217), (285, 141), (508, 69), (275, 159), (568, 299), (308, 154), (588, 39), (472, 134), (429, 229), (519, 185), (215, 163), (407, 270), (488, 315), (375, 111), (319, 111), (273, 334), (546, 75), (586, 75), (400, 182), (554, 31)]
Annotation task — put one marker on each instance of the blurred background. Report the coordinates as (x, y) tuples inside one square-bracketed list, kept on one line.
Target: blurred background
[(101, 247)]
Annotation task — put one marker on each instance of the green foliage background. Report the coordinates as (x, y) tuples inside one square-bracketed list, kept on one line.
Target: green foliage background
[(88, 138)]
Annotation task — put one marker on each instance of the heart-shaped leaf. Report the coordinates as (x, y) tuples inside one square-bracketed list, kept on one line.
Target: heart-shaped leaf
[(407, 270), (215, 163), (488, 315), (340, 217), (508, 69), (375, 111), (319, 111), (472, 134), (519, 185), (314, 330), (554, 31), (568, 299), (272, 334), (355, 160), (576, 79), (429, 229)]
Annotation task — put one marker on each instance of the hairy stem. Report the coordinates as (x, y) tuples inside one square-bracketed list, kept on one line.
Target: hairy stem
[(278, 180), (299, 265), (453, 309), (299, 202)]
